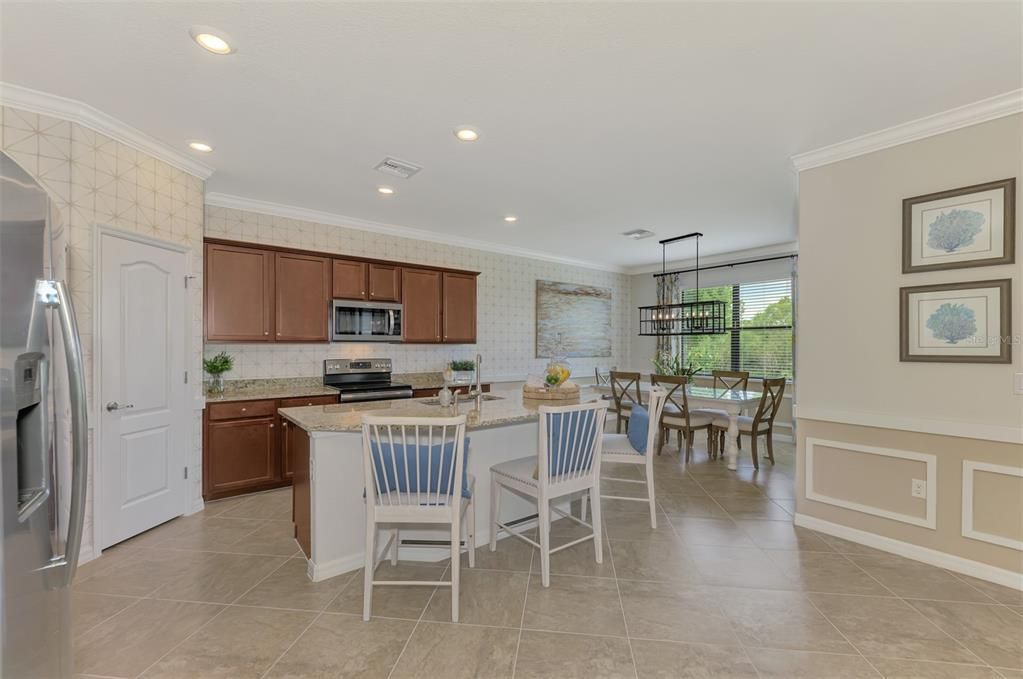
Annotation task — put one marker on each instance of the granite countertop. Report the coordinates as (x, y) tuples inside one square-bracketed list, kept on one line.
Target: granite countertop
[(248, 390), (421, 380), (509, 409)]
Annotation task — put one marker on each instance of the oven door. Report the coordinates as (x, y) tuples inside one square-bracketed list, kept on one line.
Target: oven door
[(365, 322)]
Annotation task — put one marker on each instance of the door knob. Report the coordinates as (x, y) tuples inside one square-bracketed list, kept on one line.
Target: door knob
[(114, 405)]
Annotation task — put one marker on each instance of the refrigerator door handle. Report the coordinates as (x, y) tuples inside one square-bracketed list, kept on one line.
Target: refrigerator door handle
[(56, 297)]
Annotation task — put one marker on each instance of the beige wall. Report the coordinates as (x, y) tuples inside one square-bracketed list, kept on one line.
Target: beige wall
[(96, 180), (854, 392)]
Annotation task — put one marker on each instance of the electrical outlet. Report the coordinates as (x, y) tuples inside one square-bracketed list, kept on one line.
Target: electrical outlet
[(919, 488)]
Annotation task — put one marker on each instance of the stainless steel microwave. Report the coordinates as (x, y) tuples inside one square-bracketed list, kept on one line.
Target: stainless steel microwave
[(365, 321)]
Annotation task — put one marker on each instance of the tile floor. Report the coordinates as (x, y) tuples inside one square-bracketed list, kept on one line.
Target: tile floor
[(725, 587)]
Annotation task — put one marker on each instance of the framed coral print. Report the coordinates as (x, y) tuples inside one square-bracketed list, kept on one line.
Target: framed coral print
[(956, 322), (971, 226)]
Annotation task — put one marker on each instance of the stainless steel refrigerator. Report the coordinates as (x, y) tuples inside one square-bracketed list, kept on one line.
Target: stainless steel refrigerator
[(43, 462)]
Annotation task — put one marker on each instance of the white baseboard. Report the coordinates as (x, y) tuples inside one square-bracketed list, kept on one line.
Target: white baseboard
[(976, 569)]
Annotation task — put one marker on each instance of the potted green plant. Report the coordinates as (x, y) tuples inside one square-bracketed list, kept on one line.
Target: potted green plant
[(462, 372), (666, 363), (216, 367)]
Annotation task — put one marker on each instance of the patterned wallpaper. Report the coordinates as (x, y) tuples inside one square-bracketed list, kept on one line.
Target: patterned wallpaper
[(506, 289), (96, 180)]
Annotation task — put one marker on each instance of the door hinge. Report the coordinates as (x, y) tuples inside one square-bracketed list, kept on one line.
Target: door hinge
[(188, 278), (186, 472), (186, 377)]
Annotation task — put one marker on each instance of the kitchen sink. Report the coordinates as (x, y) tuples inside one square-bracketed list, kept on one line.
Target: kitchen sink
[(462, 398)]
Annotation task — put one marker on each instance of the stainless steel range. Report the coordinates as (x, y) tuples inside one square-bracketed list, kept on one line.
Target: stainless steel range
[(363, 379)]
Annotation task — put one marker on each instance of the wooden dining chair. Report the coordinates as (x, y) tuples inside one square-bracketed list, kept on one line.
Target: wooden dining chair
[(623, 399), (677, 415), (762, 422), (724, 380)]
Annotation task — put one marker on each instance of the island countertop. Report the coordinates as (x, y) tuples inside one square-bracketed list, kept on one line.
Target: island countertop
[(509, 407)]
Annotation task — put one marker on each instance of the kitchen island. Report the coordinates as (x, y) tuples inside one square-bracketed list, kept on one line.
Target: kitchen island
[(325, 444)]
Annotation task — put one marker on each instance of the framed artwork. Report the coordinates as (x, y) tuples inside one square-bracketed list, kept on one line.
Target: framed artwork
[(572, 320), (971, 226), (956, 322)]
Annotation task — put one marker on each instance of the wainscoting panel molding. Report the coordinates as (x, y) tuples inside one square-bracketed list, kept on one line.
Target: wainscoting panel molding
[(970, 468), (931, 462)]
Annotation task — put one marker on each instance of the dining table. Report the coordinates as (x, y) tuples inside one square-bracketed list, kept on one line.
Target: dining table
[(731, 401)]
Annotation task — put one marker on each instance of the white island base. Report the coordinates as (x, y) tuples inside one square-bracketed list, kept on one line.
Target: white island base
[(333, 493)]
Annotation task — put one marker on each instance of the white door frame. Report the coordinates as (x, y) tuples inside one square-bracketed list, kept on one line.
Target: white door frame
[(96, 422)]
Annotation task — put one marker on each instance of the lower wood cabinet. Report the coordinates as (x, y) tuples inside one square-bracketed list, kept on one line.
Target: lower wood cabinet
[(301, 510), (246, 445)]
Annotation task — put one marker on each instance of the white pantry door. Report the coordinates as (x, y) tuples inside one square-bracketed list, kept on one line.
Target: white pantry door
[(142, 401)]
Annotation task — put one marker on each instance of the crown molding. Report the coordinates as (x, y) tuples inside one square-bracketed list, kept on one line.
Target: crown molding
[(981, 111), (320, 217), (733, 257), (83, 114)]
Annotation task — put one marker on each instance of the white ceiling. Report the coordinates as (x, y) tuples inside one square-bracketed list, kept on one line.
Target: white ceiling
[(595, 118)]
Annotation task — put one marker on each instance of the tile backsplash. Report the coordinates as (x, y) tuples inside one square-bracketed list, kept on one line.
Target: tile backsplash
[(506, 321)]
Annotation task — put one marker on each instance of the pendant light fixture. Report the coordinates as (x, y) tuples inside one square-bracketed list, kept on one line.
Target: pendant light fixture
[(698, 317)]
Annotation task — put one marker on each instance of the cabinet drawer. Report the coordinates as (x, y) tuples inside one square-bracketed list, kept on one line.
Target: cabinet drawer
[(307, 401), (240, 409)]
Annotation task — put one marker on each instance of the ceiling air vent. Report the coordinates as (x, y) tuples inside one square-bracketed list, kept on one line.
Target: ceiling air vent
[(397, 168), (638, 234)]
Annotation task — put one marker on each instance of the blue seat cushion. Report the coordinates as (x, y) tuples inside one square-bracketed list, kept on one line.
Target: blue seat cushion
[(570, 439), (417, 469), (639, 426)]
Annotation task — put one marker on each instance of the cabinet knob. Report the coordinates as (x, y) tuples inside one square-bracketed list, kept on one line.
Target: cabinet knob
[(244, 409), (278, 334), (271, 425), (266, 332), (284, 423)]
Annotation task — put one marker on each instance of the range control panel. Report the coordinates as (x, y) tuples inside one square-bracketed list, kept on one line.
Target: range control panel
[(340, 366)]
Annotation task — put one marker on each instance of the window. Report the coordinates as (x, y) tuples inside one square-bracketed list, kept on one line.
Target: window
[(759, 337)]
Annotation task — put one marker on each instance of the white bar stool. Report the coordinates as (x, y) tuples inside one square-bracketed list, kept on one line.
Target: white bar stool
[(567, 462), (415, 474), (623, 449)]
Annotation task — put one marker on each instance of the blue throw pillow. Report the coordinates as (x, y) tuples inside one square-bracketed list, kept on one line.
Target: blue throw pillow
[(639, 425), (426, 470)]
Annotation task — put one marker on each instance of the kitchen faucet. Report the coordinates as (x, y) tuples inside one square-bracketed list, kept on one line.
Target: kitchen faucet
[(477, 389)]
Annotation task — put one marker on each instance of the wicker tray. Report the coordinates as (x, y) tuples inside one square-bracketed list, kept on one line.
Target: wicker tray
[(566, 392)]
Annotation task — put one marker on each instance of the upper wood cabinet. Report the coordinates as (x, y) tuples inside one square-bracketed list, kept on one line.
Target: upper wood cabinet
[(302, 298), (275, 294), (384, 283), (239, 294), (422, 305), (349, 279), (459, 312)]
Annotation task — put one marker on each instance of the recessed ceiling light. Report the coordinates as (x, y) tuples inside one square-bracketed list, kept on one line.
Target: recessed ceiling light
[(211, 40), (467, 134), (385, 190), (511, 218), (200, 146)]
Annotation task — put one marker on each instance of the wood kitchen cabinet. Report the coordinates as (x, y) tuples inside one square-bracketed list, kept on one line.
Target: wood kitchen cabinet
[(422, 305), (275, 294), (239, 294), (302, 298), (301, 508), (246, 445), (287, 463), (349, 279), (384, 282), (459, 308), (239, 448)]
